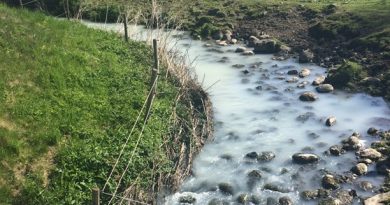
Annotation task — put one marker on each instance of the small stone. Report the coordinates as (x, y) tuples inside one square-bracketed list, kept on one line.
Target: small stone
[(302, 158), (318, 81), (330, 182), (304, 73), (360, 169), (240, 49), (325, 88), (377, 199), (352, 143), (226, 188), (366, 186), (309, 195), (266, 156), (233, 41), (330, 121), (330, 201), (271, 201), (252, 155), (187, 199), (248, 53), (292, 72), (308, 97), (243, 198), (285, 201), (292, 80), (336, 150), (370, 153), (254, 174), (238, 66)]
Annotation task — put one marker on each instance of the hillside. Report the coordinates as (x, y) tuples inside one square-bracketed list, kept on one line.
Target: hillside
[(69, 96)]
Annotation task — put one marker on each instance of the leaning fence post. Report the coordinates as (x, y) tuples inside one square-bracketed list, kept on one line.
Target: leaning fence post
[(95, 196), (153, 80)]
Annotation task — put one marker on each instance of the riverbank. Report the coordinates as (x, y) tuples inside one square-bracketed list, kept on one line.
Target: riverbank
[(69, 96)]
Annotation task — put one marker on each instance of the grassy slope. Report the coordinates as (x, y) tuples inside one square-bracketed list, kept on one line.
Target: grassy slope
[(68, 96)]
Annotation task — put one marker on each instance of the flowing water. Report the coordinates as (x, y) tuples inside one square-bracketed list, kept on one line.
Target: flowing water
[(257, 110)]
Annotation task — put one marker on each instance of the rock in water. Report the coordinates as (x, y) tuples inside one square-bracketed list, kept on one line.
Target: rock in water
[(377, 199), (325, 88), (226, 188), (187, 199), (330, 121), (330, 182), (370, 153), (302, 158), (266, 156), (240, 49), (285, 201), (304, 73), (319, 80), (308, 97), (266, 46), (360, 169)]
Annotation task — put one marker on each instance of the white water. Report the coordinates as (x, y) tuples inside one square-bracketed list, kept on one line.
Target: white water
[(249, 119)]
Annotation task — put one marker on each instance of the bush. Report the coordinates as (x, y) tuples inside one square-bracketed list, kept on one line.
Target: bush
[(347, 73)]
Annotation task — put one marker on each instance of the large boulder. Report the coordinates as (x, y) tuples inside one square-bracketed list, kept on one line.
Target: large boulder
[(306, 56), (308, 97), (378, 199), (266, 46), (302, 158)]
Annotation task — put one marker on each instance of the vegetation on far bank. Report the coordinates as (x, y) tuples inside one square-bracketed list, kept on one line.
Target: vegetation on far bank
[(69, 96)]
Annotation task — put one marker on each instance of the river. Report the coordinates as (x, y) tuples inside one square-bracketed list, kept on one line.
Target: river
[(257, 110)]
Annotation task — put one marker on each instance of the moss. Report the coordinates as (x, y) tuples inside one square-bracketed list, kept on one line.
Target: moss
[(348, 72)]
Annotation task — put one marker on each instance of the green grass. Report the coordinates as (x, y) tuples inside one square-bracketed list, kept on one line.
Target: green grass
[(68, 97)]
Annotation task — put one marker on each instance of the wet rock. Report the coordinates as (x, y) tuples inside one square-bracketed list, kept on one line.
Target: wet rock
[(226, 157), (293, 80), (284, 171), (266, 156), (325, 88), (271, 201), (372, 131), (255, 199), (221, 43), (302, 158), (233, 41), (240, 49), (285, 201), (292, 72), (360, 169), (266, 46), (383, 166), (313, 135), (336, 150), (330, 182), (370, 153), (318, 80), (255, 174), (309, 195), (307, 149), (245, 72), (252, 155), (306, 56), (252, 41), (308, 97), (365, 161), (217, 35), (276, 187), (215, 50), (243, 198), (248, 53), (304, 73), (226, 188), (345, 197), (323, 193), (377, 199), (238, 66), (329, 201), (365, 185), (188, 199), (218, 202), (330, 121), (352, 143)]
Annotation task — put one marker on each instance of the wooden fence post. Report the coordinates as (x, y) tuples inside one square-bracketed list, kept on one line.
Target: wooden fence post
[(95, 196), (153, 80), (126, 32)]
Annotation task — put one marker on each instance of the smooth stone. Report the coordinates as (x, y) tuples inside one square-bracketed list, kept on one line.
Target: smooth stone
[(330, 121), (330, 182), (187, 199), (370, 153), (226, 188), (325, 88), (318, 80), (304, 73), (302, 158), (308, 97), (360, 169)]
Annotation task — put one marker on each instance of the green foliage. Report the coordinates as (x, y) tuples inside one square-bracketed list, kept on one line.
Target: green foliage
[(347, 73), (68, 98)]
